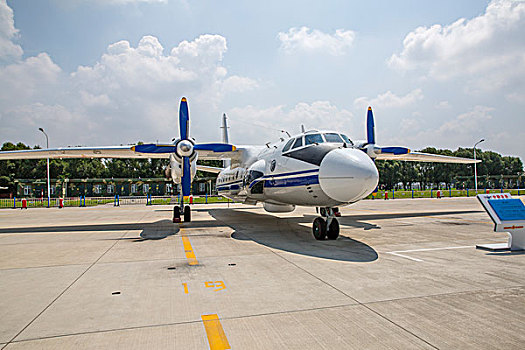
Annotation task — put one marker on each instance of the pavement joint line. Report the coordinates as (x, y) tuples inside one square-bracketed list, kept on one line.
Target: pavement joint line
[(443, 294), (354, 304), (66, 289), (100, 263), (180, 323)]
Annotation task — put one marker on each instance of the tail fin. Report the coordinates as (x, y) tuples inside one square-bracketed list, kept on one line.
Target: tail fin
[(225, 139), (224, 128)]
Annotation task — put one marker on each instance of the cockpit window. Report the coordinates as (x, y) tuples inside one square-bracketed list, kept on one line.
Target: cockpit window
[(347, 140), (298, 142), (253, 175), (313, 138), (333, 137), (288, 145)]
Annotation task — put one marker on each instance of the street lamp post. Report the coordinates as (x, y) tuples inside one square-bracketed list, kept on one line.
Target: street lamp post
[(475, 169), (48, 182)]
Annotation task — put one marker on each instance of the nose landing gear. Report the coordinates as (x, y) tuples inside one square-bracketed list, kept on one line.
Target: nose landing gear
[(326, 228), (185, 210)]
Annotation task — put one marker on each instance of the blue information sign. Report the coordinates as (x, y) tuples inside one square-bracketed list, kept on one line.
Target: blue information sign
[(511, 209)]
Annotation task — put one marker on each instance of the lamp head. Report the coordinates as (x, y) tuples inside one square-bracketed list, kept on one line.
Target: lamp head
[(41, 129)]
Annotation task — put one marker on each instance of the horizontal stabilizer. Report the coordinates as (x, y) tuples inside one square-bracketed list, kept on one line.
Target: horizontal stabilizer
[(209, 169)]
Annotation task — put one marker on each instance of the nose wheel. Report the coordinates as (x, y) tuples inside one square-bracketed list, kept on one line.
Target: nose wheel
[(327, 225), (186, 212)]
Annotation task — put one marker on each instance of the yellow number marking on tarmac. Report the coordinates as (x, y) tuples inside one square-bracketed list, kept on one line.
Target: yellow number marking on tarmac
[(216, 336), (217, 284), (188, 250)]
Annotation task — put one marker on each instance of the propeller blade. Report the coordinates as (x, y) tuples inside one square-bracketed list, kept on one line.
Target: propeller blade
[(184, 119), (395, 150), (370, 134), (215, 147), (186, 177), (154, 148)]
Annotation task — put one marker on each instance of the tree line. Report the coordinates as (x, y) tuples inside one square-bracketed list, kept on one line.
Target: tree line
[(495, 170)]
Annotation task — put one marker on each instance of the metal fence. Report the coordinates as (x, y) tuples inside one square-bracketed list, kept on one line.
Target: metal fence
[(442, 193), (174, 200), (110, 201)]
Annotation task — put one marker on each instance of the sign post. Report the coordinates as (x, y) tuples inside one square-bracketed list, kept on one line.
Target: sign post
[(508, 215)]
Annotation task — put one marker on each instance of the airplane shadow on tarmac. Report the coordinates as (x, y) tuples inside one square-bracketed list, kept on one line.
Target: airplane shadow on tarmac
[(150, 231), (288, 234), (294, 235)]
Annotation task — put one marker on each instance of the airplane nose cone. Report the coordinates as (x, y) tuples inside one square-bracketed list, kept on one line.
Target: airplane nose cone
[(347, 175)]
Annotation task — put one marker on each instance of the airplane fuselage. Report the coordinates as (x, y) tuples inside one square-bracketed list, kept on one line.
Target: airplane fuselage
[(315, 168)]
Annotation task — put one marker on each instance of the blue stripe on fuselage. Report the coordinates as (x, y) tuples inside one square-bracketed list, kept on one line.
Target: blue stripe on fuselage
[(295, 181)]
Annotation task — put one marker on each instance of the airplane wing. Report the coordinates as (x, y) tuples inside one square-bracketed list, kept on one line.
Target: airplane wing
[(130, 151), (79, 152), (426, 157)]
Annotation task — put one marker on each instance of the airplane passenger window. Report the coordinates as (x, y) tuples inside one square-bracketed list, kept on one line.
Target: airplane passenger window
[(298, 142), (313, 138), (288, 145), (332, 137), (347, 140)]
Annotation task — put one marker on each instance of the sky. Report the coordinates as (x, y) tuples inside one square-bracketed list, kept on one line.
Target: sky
[(108, 72)]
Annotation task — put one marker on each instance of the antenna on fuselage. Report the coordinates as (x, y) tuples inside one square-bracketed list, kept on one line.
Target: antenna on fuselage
[(225, 139), (302, 129)]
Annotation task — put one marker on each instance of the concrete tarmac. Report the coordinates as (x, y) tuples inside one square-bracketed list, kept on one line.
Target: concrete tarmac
[(404, 274)]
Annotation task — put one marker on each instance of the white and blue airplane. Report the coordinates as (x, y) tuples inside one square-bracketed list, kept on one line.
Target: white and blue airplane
[(322, 169)]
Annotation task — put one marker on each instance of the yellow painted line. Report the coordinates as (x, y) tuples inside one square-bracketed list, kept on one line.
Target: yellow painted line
[(188, 249), (216, 337)]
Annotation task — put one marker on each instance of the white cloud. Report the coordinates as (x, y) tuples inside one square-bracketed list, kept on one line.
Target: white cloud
[(130, 94), (252, 125), (442, 105), (8, 50), (516, 97), (467, 123), (315, 41), (390, 100), (487, 50), (460, 131)]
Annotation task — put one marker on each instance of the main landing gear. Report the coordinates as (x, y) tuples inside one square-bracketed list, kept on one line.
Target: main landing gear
[(327, 225), (185, 210)]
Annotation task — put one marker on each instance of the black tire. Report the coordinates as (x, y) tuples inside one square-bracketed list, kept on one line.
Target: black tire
[(319, 229), (333, 229), (187, 213), (176, 212)]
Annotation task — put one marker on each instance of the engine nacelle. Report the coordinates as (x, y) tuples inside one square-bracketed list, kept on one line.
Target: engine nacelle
[(278, 208), (175, 167)]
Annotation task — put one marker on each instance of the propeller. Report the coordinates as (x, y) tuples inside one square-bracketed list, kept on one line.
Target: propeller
[(184, 147), (370, 147)]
